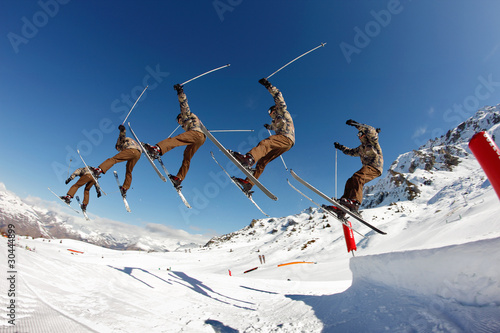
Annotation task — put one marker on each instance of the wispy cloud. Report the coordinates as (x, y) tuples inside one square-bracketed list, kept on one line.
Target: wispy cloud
[(419, 132)]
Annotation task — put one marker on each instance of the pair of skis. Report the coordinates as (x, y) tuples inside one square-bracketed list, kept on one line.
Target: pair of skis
[(162, 177), (332, 202), (245, 171), (67, 204)]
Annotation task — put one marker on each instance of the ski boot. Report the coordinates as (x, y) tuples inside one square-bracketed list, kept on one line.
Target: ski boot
[(337, 211), (244, 185), (123, 192), (153, 151), (66, 199), (176, 181), (84, 208), (246, 160), (351, 204), (97, 172)]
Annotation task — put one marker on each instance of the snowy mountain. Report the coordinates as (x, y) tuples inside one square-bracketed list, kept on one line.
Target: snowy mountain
[(440, 166), (46, 219)]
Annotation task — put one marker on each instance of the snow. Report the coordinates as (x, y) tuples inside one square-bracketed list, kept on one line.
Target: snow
[(436, 270), (427, 274)]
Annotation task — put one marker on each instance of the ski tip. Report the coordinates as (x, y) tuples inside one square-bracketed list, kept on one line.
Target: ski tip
[(323, 44)]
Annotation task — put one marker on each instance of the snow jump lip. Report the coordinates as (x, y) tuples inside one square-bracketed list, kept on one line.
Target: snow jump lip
[(296, 262)]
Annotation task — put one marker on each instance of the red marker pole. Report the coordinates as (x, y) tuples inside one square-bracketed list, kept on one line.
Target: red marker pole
[(349, 238), (487, 154)]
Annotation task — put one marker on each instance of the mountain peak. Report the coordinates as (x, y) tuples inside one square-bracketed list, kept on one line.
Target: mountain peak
[(437, 164)]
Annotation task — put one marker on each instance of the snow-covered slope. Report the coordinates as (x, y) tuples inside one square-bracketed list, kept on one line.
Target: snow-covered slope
[(434, 271)]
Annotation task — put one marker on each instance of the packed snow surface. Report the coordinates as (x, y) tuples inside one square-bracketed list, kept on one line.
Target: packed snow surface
[(424, 276)]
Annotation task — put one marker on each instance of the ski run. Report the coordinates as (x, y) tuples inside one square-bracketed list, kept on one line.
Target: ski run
[(424, 276)]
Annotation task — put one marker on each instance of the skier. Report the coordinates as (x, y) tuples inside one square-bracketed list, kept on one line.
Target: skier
[(275, 145), (129, 151), (371, 157), (85, 179), (193, 138)]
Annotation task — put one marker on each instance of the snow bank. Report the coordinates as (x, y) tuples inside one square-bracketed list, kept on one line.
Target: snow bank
[(460, 272)]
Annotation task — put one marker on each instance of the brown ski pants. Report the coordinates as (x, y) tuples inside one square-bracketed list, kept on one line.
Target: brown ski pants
[(86, 180), (354, 185), (131, 156), (192, 139), (267, 150)]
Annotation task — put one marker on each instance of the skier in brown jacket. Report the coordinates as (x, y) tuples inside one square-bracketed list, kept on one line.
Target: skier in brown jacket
[(129, 151), (372, 159), (275, 145), (85, 179), (193, 138)]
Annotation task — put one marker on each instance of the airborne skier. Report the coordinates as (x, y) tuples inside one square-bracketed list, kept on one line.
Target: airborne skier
[(275, 145), (372, 159), (85, 179), (129, 151), (193, 138)]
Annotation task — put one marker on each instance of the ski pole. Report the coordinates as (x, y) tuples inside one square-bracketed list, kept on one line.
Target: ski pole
[(322, 44), (90, 172), (213, 70), (134, 104), (282, 160), (336, 173), (174, 130), (224, 131)]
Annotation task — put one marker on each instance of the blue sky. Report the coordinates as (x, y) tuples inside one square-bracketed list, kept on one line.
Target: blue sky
[(71, 70)]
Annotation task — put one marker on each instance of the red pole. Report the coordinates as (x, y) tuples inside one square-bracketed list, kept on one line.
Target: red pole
[(488, 155), (349, 238)]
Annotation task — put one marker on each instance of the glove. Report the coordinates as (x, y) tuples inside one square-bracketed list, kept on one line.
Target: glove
[(351, 122), (265, 83), (179, 88), (67, 181), (337, 145), (267, 126), (121, 128)]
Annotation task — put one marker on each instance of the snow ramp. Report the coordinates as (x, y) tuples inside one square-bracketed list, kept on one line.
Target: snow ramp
[(467, 273), (449, 289)]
